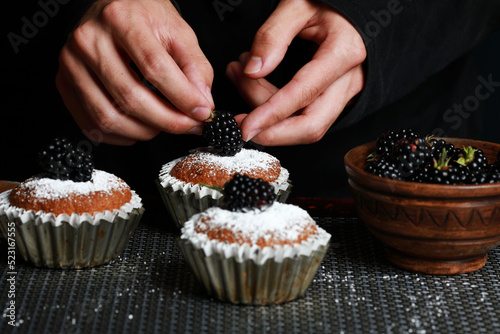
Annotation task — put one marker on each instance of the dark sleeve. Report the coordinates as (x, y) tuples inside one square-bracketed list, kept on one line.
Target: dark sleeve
[(409, 41)]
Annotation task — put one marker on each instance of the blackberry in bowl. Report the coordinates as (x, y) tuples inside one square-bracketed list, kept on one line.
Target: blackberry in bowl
[(444, 227)]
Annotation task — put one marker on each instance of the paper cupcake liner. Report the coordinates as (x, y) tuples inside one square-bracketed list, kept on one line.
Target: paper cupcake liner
[(181, 205), (183, 200), (70, 242), (249, 282)]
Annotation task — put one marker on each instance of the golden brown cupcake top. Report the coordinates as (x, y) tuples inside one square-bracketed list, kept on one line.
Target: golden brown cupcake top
[(279, 225), (214, 170), (103, 192)]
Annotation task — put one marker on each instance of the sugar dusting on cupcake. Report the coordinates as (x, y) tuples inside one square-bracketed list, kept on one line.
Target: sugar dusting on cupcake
[(192, 183), (249, 214), (252, 238), (79, 216), (68, 183)]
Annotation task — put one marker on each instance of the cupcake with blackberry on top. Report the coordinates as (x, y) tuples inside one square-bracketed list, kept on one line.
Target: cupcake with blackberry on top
[(193, 183), (71, 215), (253, 250)]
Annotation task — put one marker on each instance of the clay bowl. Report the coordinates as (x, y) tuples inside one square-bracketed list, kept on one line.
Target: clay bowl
[(428, 228)]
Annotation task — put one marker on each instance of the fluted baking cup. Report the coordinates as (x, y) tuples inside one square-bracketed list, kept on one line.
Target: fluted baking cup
[(70, 241), (183, 199), (248, 274), (249, 282), (181, 206)]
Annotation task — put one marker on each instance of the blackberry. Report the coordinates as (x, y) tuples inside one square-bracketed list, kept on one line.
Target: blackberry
[(222, 133), (411, 156), (60, 160), (387, 141), (493, 173), (400, 155), (479, 161), (452, 175), (435, 143), (474, 165), (243, 193), (446, 169), (383, 167), (403, 155), (426, 173)]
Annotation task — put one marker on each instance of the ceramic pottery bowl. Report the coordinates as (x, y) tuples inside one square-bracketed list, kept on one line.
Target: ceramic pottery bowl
[(428, 228)]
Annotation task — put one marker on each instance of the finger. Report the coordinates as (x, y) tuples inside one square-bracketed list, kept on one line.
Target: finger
[(157, 66), (83, 120), (103, 110), (91, 106), (273, 38), (243, 58), (128, 93), (332, 60), (195, 66), (254, 91), (315, 120), (239, 118)]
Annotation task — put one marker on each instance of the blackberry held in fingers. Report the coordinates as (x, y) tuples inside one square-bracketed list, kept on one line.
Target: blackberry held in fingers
[(60, 160), (223, 133)]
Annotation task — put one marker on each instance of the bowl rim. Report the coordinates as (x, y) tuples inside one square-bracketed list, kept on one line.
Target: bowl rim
[(356, 173)]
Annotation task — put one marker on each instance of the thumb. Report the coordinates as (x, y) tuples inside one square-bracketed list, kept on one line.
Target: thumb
[(273, 38)]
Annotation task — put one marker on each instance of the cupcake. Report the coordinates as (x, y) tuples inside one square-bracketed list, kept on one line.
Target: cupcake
[(256, 253), (195, 182), (71, 215)]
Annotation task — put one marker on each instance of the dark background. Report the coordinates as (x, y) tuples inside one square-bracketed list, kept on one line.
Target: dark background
[(487, 57)]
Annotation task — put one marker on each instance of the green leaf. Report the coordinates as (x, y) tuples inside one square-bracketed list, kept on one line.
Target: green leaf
[(469, 154), (218, 188), (443, 161), (461, 161), (372, 156)]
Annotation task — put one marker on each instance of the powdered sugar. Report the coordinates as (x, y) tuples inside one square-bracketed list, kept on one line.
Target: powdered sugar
[(45, 188), (244, 161), (23, 216), (281, 221)]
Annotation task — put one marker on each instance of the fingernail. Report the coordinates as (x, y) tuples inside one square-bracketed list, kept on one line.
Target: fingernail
[(254, 65), (253, 134), (195, 130), (201, 112), (230, 74)]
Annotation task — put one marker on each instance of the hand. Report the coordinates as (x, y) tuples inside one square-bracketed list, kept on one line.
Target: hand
[(304, 109), (105, 95)]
